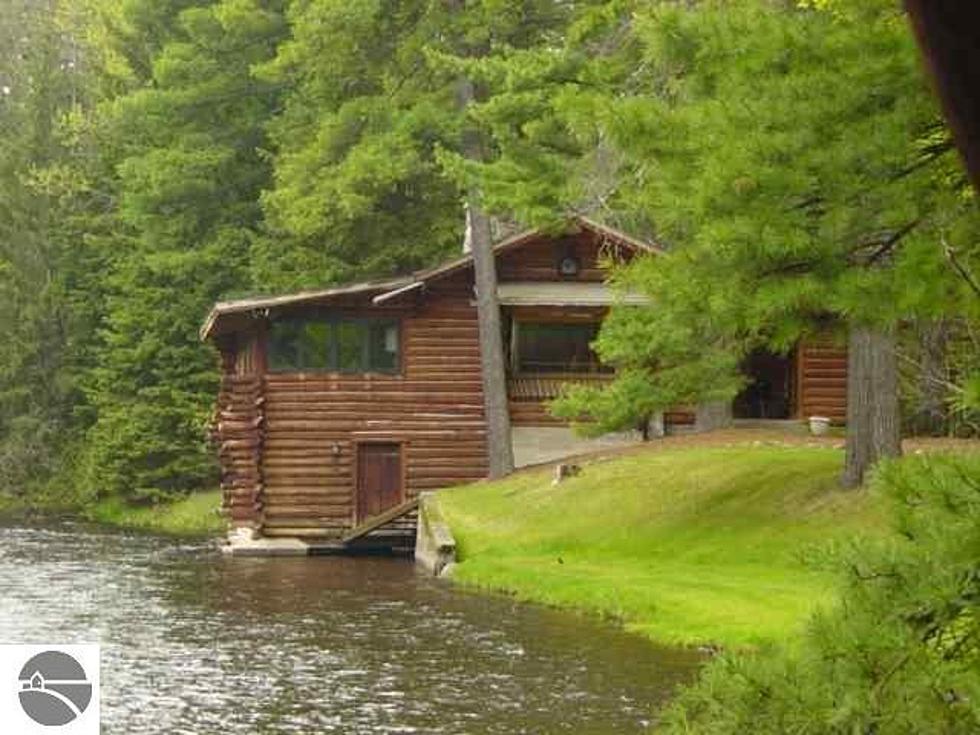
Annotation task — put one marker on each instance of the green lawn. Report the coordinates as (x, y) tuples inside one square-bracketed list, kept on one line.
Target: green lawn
[(686, 545), (196, 515)]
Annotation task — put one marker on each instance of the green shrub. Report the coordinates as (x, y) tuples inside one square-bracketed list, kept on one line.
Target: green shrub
[(899, 654)]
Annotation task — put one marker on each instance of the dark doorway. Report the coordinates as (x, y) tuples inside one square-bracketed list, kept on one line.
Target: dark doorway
[(379, 479), (769, 394)]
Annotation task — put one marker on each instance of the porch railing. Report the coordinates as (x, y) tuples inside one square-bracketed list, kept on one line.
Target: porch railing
[(545, 387)]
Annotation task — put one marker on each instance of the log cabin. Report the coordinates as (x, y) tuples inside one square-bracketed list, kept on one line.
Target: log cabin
[(338, 407)]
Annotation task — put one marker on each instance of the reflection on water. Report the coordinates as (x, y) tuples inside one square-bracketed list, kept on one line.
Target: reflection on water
[(197, 643)]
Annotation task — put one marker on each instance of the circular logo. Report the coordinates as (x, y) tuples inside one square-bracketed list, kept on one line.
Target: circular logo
[(54, 689)]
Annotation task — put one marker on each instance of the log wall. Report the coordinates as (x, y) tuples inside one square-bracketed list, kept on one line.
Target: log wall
[(538, 261), (239, 435), (296, 449), (821, 381)]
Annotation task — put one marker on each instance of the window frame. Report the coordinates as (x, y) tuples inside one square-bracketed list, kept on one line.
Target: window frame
[(596, 368), (333, 321)]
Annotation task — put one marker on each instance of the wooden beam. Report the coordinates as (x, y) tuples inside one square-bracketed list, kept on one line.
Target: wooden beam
[(377, 521)]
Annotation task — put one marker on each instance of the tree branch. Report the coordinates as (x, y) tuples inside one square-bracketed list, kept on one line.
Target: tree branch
[(961, 269)]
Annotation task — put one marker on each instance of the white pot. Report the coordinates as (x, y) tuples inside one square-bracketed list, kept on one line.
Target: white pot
[(819, 425)]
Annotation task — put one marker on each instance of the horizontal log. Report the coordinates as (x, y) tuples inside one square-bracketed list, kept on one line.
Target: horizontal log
[(249, 473), (812, 363), (322, 401), (448, 452), (818, 409), (434, 483), (242, 498), (308, 477), (278, 439), (438, 484), (285, 488), (325, 531), (240, 480), (829, 393), (351, 412), (290, 499), (828, 350), (301, 514), (239, 399), (825, 381), (247, 443), (313, 459), (238, 381), (431, 323), (313, 455), (417, 435), (404, 400), (433, 426), (339, 517), (240, 455), (240, 460), (237, 416), (443, 346), (436, 467)]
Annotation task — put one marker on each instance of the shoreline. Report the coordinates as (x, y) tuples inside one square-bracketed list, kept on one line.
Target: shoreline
[(195, 516), (701, 547)]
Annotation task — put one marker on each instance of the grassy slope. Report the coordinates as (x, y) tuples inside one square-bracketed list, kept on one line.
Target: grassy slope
[(195, 515), (684, 545)]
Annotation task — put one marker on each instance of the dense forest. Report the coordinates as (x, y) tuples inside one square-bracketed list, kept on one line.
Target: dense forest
[(158, 156), (789, 155)]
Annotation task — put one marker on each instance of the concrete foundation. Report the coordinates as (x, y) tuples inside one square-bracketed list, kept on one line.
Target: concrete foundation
[(540, 444), (435, 546), (241, 545)]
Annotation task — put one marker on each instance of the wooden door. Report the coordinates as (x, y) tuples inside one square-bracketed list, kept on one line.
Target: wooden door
[(379, 479)]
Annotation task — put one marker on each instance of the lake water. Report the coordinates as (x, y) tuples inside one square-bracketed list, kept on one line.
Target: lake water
[(194, 642)]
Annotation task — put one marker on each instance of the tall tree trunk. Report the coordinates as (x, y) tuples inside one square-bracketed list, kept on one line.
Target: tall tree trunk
[(930, 410), (499, 448), (873, 417)]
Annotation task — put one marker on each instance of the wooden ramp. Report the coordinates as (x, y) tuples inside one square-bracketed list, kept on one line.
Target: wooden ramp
[(376, 522)]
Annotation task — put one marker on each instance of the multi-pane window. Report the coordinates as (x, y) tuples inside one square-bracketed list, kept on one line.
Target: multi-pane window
[(344, 345), (540, 347)]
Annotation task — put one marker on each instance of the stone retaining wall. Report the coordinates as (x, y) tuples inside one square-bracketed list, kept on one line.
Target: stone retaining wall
[(435, 547)]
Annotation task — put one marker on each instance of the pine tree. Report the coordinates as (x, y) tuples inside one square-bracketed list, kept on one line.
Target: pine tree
[(44, 201), (190, 169), (358, 191), (793, 160)]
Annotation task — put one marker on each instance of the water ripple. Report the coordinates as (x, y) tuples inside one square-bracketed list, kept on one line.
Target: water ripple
[(196, 643)]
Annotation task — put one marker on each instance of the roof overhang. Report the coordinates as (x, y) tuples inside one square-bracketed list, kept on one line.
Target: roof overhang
[(264, 304), (565, 294)]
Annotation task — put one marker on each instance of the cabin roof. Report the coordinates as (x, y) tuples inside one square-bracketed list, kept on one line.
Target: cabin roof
[(386, 290)]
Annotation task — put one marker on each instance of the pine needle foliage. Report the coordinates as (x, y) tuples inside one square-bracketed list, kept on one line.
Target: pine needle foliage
[(899, 654)]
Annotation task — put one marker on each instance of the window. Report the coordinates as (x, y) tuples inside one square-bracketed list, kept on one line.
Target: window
[(342, 345), (555, 348)]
